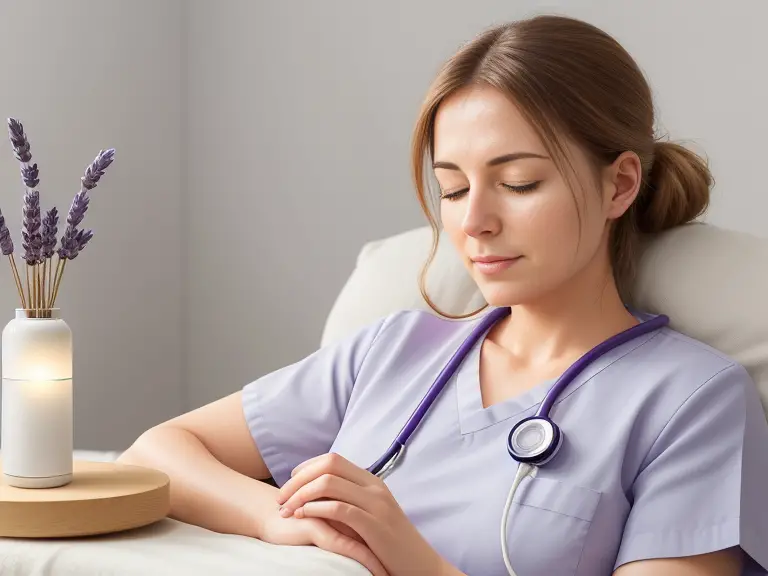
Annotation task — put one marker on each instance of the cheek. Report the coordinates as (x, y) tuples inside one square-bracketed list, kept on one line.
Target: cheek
[(452, 217), (548, 225), (565, 237)]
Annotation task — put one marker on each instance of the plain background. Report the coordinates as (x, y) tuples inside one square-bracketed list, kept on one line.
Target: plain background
[(261, 143)]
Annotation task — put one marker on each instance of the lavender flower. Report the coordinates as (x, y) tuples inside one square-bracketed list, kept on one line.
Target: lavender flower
[(78, 209), (69, 244), (6, 242), (39, 234), (19, 141), (32, 239), (74, 240), (50, 228), (83, 237), (31, 175), (95, 171), (73, 243)]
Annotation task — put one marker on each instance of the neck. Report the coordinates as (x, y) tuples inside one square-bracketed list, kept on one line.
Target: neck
[(566, 322)]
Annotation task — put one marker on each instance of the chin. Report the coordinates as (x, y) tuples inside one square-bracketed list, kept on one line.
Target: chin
[(499, 294)]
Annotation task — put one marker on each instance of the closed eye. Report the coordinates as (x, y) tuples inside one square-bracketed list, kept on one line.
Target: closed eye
[(522, 189), (454, 195), (518, 189)]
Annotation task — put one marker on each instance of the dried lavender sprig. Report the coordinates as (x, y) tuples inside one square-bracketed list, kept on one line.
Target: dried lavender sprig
[(50, 229), (68, 244), (83, 237), (75, 216), (79, 206), (21, 148), (6, 242), (73, 241), (93, 174), (95, 171), (72, 244), (77, 209), (6, 246), (31, 236), (30, 175)]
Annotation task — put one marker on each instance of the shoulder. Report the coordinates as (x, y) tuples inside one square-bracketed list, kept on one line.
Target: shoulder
[(413, 329), (406, 339), (413, 322), (666, 386), (684, 391), (676, 366)]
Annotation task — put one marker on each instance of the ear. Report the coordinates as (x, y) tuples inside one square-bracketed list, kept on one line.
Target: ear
[(621, 184)]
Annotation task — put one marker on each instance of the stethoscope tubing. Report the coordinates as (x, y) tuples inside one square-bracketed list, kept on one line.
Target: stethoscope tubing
[(397, 447)]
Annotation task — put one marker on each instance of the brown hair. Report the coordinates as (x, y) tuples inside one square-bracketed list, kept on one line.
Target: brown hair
[(572, 80)]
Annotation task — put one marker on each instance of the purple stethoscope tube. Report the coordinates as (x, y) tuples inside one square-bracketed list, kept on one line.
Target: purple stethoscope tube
[(547, 436)]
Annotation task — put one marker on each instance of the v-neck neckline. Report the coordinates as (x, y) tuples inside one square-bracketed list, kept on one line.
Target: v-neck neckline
[(473, 416)]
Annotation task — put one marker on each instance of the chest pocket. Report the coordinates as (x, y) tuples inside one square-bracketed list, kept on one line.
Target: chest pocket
[(548, 526)]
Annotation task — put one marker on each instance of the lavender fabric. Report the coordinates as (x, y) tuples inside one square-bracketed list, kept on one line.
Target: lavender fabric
[(665, 451)]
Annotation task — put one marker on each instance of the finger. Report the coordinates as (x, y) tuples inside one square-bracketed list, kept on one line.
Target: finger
[(359, 520), (329, 539), (336, 464), (326, 464), (331, 487), (307, 463)]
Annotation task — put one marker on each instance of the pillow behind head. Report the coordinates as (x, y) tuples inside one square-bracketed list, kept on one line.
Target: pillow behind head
[(711, 282)]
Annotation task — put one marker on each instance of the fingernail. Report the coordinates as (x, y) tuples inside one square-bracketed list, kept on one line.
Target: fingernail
[(284, 512)]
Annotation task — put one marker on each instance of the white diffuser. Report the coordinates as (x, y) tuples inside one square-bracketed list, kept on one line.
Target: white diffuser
[(37, 401), (36, 439)]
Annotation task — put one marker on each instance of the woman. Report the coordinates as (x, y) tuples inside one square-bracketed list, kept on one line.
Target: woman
[(540, 136)]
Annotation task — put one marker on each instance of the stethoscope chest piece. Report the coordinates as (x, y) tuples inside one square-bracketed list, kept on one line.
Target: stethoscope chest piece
[(534, 440)]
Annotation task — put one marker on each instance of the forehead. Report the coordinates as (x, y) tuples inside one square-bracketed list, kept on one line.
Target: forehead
[(480, 122)]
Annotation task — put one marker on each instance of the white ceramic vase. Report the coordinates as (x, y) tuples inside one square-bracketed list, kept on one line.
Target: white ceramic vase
[(37, 401)]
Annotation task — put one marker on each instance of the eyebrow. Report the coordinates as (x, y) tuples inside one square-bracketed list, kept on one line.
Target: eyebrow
[(494, 161)]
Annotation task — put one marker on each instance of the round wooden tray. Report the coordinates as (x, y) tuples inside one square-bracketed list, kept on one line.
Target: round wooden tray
[(103, 497)]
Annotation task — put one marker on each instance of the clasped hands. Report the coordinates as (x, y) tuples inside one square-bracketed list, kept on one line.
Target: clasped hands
[(360, 508)]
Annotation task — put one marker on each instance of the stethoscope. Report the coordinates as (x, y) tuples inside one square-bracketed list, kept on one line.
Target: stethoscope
[(533, 441)]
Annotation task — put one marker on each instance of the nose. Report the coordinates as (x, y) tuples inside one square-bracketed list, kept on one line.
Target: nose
[(482, 215)]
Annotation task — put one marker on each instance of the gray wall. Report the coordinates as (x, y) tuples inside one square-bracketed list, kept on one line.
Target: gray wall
[(261, 143), (307, 107), (84, 75)]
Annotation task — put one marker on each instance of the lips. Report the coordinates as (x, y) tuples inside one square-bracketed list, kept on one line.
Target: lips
[(493, 264), (490, 259)]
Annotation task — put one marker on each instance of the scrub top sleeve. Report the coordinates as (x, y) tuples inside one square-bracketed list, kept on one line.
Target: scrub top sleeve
[(295, 413), (702, 487)]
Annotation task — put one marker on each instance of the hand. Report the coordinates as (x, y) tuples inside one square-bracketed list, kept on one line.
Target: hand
[(332, 488), (329, 536)]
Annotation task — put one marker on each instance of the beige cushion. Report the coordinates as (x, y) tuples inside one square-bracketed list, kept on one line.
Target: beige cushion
[(712, 282)]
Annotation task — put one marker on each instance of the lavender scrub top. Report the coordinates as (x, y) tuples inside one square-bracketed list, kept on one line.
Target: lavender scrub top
[(665, 451)]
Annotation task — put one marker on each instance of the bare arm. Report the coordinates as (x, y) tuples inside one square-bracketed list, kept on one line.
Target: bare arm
[(214, 467), (216, 471), (722, 563)]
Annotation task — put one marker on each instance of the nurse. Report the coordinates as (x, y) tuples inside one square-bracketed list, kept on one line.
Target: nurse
[(540, 135)]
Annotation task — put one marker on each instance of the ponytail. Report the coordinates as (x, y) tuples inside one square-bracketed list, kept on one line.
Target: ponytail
[(677, 190)]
